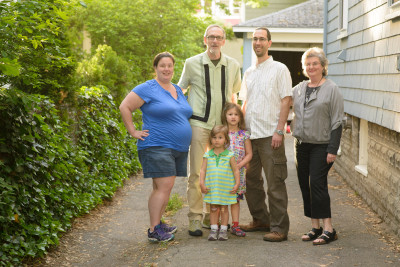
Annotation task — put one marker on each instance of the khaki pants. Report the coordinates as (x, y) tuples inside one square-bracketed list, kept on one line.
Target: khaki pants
[(273, 161), (198, 147)]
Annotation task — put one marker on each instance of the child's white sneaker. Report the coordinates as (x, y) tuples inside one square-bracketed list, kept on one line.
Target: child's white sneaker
[(223, 235), (213, 235)]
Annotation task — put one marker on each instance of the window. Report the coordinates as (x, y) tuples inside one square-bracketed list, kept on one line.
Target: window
[(343, 18), (343, 14), (363, 148), (393, 2), (394, 10)]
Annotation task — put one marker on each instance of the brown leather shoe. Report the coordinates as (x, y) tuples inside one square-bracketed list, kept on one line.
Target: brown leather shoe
[(275, 237), (255, 225)]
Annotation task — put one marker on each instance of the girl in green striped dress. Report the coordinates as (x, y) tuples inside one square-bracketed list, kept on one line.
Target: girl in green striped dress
[(219, 181)]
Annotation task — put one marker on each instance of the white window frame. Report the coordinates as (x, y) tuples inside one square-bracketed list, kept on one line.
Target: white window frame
[(343, 18), (394, 9), (362, 166), (394, 3)]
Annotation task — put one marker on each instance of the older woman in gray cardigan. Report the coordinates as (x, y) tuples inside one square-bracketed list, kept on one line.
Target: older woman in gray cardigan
[(318, 113)]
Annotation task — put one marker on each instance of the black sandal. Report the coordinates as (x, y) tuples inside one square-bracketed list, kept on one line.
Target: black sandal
[(326, 238), (312, 234)]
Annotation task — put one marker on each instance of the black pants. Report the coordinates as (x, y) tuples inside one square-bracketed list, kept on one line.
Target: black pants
[(312, 172)]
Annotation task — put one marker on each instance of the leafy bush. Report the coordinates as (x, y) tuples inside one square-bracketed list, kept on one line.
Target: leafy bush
[(143, 30), (109, 151), (106, 68), (50, 174), (35, 52)]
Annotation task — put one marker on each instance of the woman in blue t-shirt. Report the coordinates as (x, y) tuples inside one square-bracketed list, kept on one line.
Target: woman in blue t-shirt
[(164, 140)]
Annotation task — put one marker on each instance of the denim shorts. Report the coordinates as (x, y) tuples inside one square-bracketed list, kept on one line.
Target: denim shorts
[(163, 162)]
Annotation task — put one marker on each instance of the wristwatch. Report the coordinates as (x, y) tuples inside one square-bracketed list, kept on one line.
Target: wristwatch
[(280, 132)]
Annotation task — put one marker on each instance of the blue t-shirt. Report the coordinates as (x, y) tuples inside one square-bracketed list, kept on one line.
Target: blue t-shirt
[(166, 118)]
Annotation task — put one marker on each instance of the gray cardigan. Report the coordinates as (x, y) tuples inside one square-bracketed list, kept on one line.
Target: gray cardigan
[(324, 113)]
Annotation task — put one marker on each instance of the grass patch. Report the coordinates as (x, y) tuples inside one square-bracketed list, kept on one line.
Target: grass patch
[(175, 203)]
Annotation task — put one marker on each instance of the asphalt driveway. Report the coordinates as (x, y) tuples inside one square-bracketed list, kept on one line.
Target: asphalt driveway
[(114, 234)]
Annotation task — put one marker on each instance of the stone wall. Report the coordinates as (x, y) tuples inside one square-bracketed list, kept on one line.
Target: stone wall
[(381, 187)]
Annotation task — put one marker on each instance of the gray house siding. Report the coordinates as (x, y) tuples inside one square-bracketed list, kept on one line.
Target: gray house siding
[(369, 80), (369, 71)]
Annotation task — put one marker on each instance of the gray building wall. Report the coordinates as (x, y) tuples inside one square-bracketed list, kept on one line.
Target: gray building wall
[(381, 188), (368, 76), (369, 79)]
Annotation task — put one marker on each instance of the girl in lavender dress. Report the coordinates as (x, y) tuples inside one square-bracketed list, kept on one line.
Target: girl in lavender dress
[(232, 117)]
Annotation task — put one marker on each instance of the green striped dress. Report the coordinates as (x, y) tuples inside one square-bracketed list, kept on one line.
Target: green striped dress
[(219, 178)]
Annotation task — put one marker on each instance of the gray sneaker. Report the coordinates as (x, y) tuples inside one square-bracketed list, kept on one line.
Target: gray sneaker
[(195, 228), (223, 235), (213, 236)]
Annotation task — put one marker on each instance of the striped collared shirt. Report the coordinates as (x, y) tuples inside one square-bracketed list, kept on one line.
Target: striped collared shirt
[(263, 87)]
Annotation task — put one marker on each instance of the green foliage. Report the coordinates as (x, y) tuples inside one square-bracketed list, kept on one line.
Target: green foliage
[(252, 3), (106, 68), (137, 30), (48, 176), (175, 203), (55, 166), (35, 55), (109, 151), (256, 3)]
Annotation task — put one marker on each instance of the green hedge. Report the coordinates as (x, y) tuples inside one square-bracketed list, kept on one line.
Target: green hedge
[(52, 171)]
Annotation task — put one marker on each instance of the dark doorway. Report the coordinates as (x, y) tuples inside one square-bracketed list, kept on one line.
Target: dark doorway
[(293, 61)]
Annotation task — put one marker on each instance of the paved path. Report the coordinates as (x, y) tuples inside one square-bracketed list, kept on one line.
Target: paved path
[(115, 235)]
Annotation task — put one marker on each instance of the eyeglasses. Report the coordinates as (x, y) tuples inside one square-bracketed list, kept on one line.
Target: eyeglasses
[(212, 37), (313, 64), (261, 39)]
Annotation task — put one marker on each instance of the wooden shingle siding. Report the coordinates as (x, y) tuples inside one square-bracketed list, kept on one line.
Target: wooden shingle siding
[(334, 47), (362, 111), (385, 118), (337, 69), (332, 37), (380, 83), (381, 47), (333, 5), (355, 39), (356, 25), (375, 16), (333, 12), (393, 45), (391, 120), (368, 77), (370, 83), (368, 66), (392, 101), (391, 28), (356, 10), (332, 26), (373, 34)]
